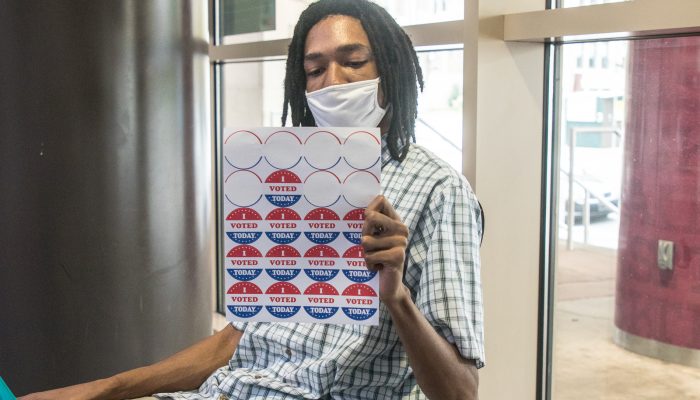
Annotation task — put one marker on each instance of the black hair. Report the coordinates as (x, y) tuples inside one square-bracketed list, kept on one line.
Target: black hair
[(396, 59)]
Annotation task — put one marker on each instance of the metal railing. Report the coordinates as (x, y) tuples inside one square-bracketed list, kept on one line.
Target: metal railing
[(586, 211)]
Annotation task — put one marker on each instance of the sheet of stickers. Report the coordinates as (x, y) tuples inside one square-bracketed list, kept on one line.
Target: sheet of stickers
[(294, 201)]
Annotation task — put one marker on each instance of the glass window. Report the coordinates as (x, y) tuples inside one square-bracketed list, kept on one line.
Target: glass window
[(579, 3), (252, 94), (413, 12), (285, 15), (247, 16), (275, 19), (439, 123), (627, 307)]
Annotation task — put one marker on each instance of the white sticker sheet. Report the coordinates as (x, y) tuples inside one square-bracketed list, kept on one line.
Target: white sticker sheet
[(294, 201)]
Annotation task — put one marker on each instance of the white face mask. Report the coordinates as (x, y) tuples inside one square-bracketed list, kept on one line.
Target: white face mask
[(353, 104)]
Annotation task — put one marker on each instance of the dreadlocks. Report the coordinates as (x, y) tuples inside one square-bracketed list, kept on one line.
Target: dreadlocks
[(395, 57)]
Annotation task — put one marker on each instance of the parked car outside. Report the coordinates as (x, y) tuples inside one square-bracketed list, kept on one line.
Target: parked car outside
[(597, 172)]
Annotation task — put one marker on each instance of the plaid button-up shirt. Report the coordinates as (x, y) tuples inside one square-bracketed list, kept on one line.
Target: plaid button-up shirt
[(320, 361)]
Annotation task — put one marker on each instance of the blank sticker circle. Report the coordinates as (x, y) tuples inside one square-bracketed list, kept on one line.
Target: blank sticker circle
[(322, 189), (361, 150), (243, 149), (243, 188), (360, 188), (283, 149), (322, 150)]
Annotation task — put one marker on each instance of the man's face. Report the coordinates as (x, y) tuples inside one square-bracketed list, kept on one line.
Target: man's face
[(337, 51)]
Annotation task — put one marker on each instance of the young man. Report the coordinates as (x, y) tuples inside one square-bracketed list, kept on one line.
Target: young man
[(350, 64)]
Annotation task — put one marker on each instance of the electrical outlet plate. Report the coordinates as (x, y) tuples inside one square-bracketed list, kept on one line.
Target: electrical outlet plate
[(665, 255)]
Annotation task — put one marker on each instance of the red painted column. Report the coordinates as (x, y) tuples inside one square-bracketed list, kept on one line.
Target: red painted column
[(661, 193)]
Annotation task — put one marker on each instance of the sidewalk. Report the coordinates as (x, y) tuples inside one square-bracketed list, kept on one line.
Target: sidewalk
[(587, 364)]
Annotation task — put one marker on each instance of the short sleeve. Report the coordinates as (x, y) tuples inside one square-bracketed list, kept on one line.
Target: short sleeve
[(449, 288)]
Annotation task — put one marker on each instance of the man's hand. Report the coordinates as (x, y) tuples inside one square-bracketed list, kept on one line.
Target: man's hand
[(440, 370), (185, 370), (85, 391), (384, 241)]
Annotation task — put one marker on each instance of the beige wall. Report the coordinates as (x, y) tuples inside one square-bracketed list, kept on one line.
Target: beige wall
[(508, 167)]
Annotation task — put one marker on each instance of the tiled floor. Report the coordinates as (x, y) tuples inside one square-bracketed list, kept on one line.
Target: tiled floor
[(587, 364)]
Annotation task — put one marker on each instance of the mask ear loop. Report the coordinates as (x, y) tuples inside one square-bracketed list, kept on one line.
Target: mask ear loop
[(386, 120)]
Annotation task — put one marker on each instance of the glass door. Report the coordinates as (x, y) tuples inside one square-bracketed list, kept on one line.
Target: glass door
[(626, 310)]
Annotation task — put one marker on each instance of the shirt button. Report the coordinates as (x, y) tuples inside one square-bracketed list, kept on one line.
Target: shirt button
[(257, 376), (222, 397), (288, 352)]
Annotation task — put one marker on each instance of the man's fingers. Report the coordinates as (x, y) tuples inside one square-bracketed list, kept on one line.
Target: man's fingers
[(381, 205), (384, 236), (377, 224), (375, 267), (373, 244), (379, 259), (376, 203)]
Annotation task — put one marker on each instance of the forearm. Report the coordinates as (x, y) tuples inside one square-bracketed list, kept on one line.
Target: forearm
[(185, 370), (441, 372)]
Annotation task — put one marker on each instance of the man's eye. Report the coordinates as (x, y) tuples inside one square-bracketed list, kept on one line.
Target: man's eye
[(314, 72), (356, 64)]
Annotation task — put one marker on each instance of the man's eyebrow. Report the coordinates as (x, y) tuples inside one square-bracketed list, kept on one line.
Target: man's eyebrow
[(312, 56), (352, 47), (345, 49)]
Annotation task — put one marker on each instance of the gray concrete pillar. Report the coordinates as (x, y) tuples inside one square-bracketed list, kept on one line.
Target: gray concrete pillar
[(106, 186)]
